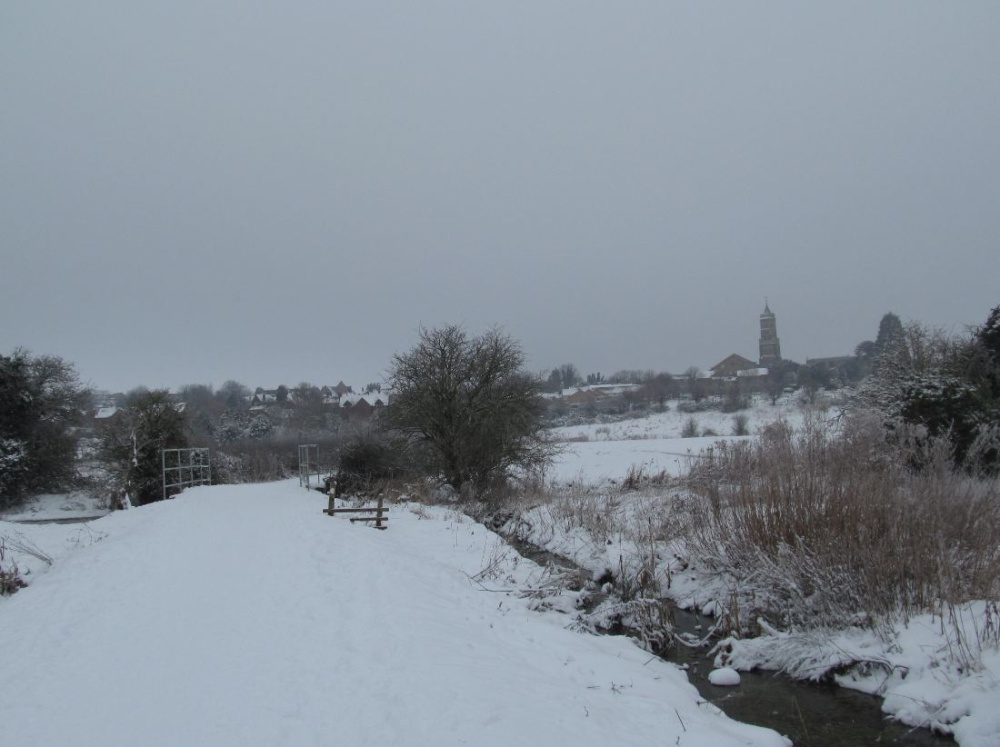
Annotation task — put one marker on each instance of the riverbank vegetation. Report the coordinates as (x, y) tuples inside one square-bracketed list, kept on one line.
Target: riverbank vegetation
[(832, 526)]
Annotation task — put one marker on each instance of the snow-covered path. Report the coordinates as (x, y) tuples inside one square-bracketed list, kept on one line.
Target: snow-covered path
[(243, 616)]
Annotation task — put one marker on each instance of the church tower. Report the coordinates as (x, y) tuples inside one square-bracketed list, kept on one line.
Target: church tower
[(770, 346)]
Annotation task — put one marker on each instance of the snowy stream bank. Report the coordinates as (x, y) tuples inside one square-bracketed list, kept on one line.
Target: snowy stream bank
[(810, 713)]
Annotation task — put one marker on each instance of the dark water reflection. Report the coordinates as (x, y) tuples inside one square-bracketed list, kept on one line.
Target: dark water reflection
[(810, 714)]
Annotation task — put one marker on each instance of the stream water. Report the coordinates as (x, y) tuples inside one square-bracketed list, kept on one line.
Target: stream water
[(811, 715)]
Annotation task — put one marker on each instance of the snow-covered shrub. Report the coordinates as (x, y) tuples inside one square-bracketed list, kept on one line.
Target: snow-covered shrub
[(41, 401), (260, 427), (741, 425), (131, 446), (948, 386), (229, 468), (638, 476), (830, 526), (367, 458), (10, 580), (646, 620), (13, 469), (689, 406), (10, 576), (690, 429)]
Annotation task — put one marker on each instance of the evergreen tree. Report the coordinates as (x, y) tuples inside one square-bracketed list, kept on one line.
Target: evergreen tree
[(891, 339), (41, 404), (949, 388), (554, 382), (131, 447)]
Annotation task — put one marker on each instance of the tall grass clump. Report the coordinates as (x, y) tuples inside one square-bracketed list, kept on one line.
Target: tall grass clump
[(831, 525)]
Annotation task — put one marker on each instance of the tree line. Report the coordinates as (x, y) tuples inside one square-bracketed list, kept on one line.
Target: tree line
[(463, 410)]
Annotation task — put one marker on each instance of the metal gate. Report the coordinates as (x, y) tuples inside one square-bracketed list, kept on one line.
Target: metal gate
[(183, 468), (308, 464)]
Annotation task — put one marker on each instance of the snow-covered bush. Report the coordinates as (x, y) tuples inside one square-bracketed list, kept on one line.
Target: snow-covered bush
[(131, 446), (367, 458), (41, 400), (13, 468), (829, 526), (690, 429), (259, 461), (10, 576), (741, 425), (948, 386)]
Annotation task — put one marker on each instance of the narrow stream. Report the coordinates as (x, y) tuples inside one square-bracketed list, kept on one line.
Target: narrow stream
[(811, 715)]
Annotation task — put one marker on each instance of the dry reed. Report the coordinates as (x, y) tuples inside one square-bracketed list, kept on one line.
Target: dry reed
[(830, 525)]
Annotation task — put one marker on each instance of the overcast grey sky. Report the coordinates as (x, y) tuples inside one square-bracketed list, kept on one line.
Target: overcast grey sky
[(277, 192)]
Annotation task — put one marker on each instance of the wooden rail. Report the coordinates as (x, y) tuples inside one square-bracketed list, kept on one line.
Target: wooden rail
[(377, 513)]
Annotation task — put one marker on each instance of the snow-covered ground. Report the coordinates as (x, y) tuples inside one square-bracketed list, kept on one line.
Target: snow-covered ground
[(930, 672), (595, 462), (670, 423), (594, 453), (57, 507), (241, 615)]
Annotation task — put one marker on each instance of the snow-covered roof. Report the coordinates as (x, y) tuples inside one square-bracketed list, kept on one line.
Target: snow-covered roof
[(372, 398), (105, 412)]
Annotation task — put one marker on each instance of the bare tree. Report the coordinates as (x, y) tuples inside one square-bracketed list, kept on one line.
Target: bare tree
[(696, 384), (569, 375), (659, 388), (468, 405), (309, 411), (553, 382), (234, 395)]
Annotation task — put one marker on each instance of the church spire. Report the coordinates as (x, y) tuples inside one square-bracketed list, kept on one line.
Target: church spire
[(770, 345)]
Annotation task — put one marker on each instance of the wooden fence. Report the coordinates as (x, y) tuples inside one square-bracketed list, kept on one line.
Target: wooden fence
[(377, 513)]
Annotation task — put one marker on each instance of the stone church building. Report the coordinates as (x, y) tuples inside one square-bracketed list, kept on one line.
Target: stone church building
[(751, 374), (770, 345)]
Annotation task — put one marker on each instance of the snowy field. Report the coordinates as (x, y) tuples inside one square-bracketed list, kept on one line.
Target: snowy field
[(596, 462), (595, 453), (241, 615)]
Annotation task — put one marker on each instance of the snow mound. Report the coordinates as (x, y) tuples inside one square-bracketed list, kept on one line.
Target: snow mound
[(724, 677)]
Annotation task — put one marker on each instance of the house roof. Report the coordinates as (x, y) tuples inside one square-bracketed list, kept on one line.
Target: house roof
[(735, 361), (372, 398)]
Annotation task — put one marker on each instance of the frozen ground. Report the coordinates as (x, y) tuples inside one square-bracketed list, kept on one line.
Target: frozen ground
[(603, 452), (931, 672), (241, 615), (596, 462), (56, 508), (670, 424)]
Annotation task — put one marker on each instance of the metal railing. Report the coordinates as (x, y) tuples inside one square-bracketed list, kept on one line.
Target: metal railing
[(309, 464), (184, 468)]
